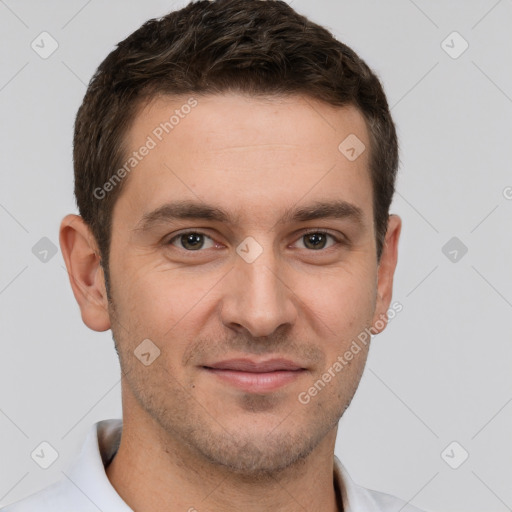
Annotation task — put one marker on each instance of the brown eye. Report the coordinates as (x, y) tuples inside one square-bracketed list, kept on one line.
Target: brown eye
[(315, 240), (318, 240), (192, 241)]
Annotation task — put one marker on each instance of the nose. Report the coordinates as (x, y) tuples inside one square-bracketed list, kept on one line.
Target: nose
[(257, 297)]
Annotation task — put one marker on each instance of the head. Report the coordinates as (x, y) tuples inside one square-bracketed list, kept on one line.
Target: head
[(234, 168)]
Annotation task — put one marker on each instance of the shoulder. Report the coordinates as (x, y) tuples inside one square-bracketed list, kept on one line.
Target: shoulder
[(388, 503), (84, 487), (360, 499), (60, 496)]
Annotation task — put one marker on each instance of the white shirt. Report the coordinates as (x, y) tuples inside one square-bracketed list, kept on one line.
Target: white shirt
[(86, 488)]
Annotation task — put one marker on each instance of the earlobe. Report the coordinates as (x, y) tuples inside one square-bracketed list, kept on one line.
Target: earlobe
[(386, 271), (82, 260)]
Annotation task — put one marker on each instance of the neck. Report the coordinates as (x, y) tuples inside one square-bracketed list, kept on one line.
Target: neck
[(152, 471)]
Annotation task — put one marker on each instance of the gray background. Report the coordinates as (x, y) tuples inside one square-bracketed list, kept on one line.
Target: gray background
[(441, 372)]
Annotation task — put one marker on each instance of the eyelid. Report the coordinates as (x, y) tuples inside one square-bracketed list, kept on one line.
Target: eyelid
[(324, 231)]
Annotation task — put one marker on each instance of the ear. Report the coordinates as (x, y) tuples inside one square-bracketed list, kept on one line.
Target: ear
[(81, 255), (386, 272)]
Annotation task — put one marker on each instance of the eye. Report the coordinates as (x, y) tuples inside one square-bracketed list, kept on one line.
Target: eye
[(317, 240), (192, 241)]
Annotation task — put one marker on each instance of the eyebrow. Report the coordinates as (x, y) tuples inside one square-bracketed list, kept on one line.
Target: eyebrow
[(337, 209)]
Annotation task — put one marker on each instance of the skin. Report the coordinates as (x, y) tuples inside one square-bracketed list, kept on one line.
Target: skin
[(189, 439)]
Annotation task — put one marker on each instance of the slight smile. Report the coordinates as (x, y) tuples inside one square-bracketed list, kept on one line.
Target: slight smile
[(256, 377)]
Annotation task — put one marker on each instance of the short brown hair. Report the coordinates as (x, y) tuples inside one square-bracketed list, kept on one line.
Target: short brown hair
[(249, 46)]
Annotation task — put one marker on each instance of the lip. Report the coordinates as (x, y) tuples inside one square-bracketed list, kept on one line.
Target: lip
[(248, 365), (256, 377)]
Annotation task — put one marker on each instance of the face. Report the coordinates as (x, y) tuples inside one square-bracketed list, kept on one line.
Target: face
[(243, 248)]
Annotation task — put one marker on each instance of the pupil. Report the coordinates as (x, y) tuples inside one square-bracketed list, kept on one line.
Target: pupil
[(192, 240), (316, 239)]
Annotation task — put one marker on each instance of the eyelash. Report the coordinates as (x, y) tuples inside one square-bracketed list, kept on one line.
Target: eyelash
[(338, 241)]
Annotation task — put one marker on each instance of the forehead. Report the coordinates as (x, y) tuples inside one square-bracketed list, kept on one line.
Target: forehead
[(247, 153), (235, 116)]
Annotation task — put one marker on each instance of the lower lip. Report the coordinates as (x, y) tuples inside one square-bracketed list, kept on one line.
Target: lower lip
[(257, 382)]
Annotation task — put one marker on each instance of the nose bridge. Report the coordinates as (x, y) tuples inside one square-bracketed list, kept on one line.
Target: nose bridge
[(257, 297)]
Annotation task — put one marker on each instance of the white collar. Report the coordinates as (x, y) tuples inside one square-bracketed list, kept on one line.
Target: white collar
[(87, 488)]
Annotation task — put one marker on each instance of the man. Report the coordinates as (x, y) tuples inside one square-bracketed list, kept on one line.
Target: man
[(234, 168)]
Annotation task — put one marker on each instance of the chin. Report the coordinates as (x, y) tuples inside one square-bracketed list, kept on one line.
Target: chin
[(263, 460), (259, 453)]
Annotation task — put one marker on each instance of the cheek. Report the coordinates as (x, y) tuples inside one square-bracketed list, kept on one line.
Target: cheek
[(163, 302), (342, 302)]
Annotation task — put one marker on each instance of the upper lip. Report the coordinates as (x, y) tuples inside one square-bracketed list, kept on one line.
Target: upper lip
[(247, 365)]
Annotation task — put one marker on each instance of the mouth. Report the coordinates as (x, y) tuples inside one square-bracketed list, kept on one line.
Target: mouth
[(256, 377)]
